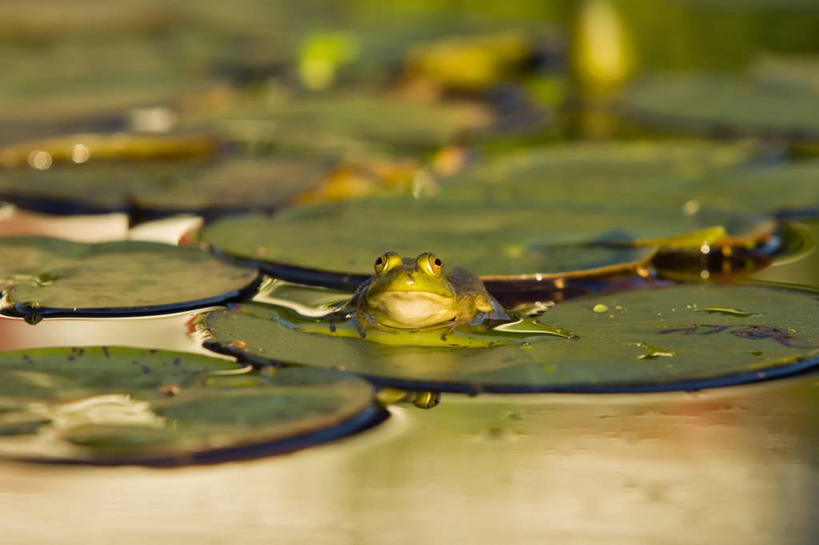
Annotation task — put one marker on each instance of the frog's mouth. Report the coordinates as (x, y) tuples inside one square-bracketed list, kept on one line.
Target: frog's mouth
[(411, 309)]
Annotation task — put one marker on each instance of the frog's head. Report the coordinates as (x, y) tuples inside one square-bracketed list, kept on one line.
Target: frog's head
[(410, 293)]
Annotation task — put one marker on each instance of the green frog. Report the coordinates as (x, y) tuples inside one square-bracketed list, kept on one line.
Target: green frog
[(417, 293)]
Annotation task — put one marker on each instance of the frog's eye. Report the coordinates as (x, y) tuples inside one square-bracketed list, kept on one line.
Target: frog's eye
[(386, 260), (431, 263)]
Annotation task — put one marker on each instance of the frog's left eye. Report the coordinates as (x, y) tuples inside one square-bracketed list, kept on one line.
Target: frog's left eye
[(431, 263)]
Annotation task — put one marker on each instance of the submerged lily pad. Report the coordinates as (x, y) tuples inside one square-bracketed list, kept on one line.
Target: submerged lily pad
[(723, 102), (164, 187), (646, 340), (46, 276), (128, 405)]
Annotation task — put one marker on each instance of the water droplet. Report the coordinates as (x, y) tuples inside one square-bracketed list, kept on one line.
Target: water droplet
[(80, 153), (691, 207), (39, 159)]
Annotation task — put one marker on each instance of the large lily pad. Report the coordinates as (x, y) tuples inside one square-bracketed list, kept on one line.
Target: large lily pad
[(688, 178), (80, 148), (722, 102), (128, 405), (230, 184), (537, 212), (790, 189), (607, 175), (674, 338), (70, 80), (46, 276), (350, 125), (490, 239)]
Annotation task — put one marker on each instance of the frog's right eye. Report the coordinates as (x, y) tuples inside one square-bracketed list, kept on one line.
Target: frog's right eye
[(384, 261)]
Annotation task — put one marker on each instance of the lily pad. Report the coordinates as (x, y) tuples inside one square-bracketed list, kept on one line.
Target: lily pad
[(67, 81), (687, 178), (240, 183), (800, 71), (790, 190), (605, 175), (491, 239), (664, 339), (715, 102), (115, 405), (564, 210), (49, 277), (80, 148), (343, 125)]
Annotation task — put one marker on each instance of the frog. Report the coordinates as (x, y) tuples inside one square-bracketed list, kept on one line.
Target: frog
[(407, 294)]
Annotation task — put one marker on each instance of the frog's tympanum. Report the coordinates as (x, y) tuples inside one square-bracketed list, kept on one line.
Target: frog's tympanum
[(418, 293)]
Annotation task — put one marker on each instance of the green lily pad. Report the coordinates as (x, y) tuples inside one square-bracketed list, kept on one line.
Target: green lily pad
[(349, 125), (491, 239), (116, 405), (164, 187), (647, 340), (66, 81), (606, 175), (80, 148), (800, 72), (689, 179), (48, 276), (564, 210), (52, 19), (722, 102), (789, 189)]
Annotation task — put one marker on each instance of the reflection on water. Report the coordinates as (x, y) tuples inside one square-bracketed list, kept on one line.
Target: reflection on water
[(800, 261), (15, 221), (733, 465), (169, 331)]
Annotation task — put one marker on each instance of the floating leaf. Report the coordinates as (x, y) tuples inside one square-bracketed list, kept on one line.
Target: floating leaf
[(71, 80), (46, 276), (802, 72), (619, 176), (649, 340), (714, 102), (558, 210), (490, 239), (164, 187), (117, 405), (80, 148), (349, 125), (790, 189)]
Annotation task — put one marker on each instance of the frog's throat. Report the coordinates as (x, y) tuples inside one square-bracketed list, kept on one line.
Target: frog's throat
[(412, 309)]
